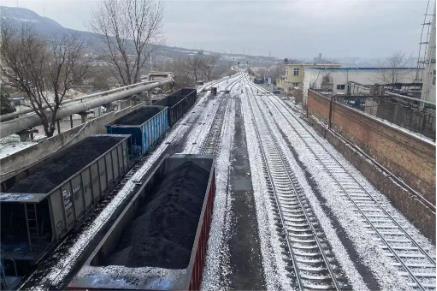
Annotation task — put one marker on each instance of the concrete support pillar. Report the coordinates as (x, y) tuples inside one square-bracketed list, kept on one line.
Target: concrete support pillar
[(108, 107), (58, 123), (83, 116), (147, 98), (26, 135)]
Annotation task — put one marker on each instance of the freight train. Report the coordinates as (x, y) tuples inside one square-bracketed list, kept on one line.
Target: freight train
[(159, 241), (39, 210)]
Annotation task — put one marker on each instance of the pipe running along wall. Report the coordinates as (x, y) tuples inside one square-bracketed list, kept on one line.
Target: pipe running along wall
[(31, 120), (9, 116)]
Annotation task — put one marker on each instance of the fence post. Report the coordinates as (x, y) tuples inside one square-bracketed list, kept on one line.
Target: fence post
[(330, 112)]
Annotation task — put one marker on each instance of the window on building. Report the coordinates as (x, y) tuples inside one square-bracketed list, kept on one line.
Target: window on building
[(433, 77), (295, 84), (296, 71), (341, 86)]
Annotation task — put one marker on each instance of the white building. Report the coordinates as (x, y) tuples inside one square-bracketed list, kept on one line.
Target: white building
[(335, 79)]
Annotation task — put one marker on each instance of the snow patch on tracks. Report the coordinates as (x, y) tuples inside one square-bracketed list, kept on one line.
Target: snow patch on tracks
[(271, 249), (370, 250), (217, 260)]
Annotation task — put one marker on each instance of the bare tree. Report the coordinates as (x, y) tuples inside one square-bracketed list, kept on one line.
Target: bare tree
[(202, 66), (5, 104), (198, 67), (208, 67), (128, 28), (393, 63), (276, 72), (183, 76), (43, 70)]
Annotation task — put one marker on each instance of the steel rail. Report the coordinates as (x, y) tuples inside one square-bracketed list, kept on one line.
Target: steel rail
[(328, 266), (358, 183), (209, 145), (281, 215), (51, 259), (391, 219), (218, 116), (418, 195), (304, 211)]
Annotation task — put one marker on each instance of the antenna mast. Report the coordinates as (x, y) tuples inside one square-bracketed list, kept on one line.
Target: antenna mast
[(425, 34)]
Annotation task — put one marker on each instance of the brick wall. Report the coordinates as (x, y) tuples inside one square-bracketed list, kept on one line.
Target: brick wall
[(406, 156)]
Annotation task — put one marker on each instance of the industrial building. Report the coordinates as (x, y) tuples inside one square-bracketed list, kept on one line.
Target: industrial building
[(298, 78)]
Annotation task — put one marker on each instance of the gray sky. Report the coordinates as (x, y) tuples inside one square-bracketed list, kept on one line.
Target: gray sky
[(293, 28)]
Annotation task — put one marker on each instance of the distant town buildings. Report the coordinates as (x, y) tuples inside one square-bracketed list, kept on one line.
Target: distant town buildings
[(333, 78)]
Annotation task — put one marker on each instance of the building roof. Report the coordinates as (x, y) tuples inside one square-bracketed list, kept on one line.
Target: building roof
[(363, 68), (316, 65)]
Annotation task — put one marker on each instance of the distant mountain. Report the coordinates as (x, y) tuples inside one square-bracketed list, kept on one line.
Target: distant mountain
[(48, 28), (16, 17)]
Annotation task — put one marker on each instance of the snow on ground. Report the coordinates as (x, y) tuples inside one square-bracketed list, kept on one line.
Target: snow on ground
[(329, 230), (367, 248), (200, 130), (64, 265), (380, 197), (217, 261), (271, 249), (370, 250), (11, 144)]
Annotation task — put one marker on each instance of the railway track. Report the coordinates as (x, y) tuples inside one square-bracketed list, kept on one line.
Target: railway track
[(310, 259), (211, 144), (413, 262), (50, 261)]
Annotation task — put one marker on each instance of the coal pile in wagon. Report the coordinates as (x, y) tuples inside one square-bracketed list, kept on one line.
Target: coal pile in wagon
[(164, 228), (62, 165), (172, 99), (138, 116)]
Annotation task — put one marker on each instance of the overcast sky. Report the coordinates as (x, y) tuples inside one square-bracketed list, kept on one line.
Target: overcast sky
[(293, 28)]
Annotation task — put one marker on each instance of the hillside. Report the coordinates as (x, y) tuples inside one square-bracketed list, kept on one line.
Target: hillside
[(48, 28)]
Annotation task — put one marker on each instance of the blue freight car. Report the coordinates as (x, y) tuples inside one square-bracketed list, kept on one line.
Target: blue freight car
[(178, 103), (146, 125)]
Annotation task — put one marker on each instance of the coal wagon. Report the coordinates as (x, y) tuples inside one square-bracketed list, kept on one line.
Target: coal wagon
[(160, 239), (146, 125), (39, 210), (178, 103)]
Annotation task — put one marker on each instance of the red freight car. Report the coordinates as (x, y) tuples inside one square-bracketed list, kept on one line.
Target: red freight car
[(160, 239)]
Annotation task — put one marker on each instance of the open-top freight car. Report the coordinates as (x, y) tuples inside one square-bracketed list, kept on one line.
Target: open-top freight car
[(159, 241), (39, 210), (146, 125), (178, 103)]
